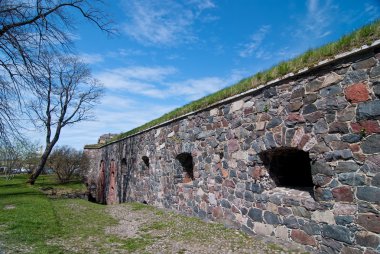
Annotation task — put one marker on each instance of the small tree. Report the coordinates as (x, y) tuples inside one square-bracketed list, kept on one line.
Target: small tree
[(68, 162), (65, 95)]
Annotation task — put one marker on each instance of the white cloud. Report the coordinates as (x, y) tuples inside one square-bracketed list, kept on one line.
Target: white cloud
[(91, 58), (165, 22), (159, 82), (319, 17), (255, 42)]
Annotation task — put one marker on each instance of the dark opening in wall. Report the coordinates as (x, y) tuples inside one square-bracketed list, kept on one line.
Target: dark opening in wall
[(146, 161), (288, 167), (187, 164)]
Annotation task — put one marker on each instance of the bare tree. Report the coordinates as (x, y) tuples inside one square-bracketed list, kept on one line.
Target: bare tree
[(65, 95), (28, 28), (16, 156), (67, 162)]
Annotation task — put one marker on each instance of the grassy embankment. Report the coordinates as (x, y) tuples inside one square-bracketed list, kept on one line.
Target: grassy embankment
[(363, 36)]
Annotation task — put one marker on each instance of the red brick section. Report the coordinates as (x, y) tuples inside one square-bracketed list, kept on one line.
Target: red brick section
[(370, 222), (101, 183), (357, 93), (112, 187), (301, 237), (343, 193), (367, 126)]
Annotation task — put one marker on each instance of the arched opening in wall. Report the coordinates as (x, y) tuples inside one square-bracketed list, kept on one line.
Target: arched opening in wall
[(125, 180), (112, 184), (289, 167), (186, 161), (101, 183), (146, 161)]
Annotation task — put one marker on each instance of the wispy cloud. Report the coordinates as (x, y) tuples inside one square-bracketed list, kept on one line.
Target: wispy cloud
[(372, 11), (165, 22), (317, 21), (91, 58), (161, 82), (256, 39)]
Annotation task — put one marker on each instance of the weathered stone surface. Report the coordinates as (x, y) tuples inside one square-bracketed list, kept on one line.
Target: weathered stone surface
[(233, 145), (308, 109), (350, 250), (352, 179), (282, 233), (321, 126), (298, 92), (263, 229), (270, 92), (351, 138), (338, 127), (346, 166), (331, 91), (274, 122), (271, 218), (371, 144), (291, 222), (237, 105), (255, 214), (323, 216), (367, 239), (376, 88), (331, 246), (337, 232), (366, 127), (344, 209), (352, 77), (314, 85), (344, 219), (331, 79), (357, 93), (343, 193), (319, 167), (364, 64), (375, 72), (370, 222), (368, 110), (376, 180), (311, 228), (367, 193), (301, 237)]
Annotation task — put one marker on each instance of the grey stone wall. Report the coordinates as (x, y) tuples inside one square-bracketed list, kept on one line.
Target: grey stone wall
[(332, 112)]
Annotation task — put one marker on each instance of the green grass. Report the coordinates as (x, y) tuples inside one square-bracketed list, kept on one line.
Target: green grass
[(363, 36), (29, 220)]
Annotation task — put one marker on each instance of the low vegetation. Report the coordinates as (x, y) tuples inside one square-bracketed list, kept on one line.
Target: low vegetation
[(363, 36), (33, 222)]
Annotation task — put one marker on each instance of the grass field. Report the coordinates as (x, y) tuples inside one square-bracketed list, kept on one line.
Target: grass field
[(29, 219), (33, 222)]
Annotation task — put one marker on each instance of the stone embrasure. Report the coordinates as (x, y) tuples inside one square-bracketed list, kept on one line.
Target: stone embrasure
[(329, 114)]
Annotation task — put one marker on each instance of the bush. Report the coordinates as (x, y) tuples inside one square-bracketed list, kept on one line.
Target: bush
[(68, 163)]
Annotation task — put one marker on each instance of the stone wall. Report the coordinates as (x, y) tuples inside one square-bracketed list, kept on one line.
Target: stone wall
[(228, 163)]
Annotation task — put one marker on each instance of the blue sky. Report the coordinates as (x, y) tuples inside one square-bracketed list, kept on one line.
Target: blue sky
[(170, 52)]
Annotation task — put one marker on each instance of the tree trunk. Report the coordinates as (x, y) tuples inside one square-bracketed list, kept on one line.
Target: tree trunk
[(41, 164)]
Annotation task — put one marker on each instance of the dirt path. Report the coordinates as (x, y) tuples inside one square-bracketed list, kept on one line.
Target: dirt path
[(145, 229)]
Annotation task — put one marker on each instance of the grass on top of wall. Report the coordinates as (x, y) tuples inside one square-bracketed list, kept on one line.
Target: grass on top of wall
[(363, 36)]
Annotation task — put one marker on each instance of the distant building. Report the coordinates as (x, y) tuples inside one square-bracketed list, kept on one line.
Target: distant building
[(105, 138)]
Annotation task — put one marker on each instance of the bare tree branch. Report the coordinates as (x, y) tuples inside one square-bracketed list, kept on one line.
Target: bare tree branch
[(70, 95)]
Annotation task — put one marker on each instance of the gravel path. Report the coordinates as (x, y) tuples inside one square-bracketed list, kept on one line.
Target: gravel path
[(150, 230)]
